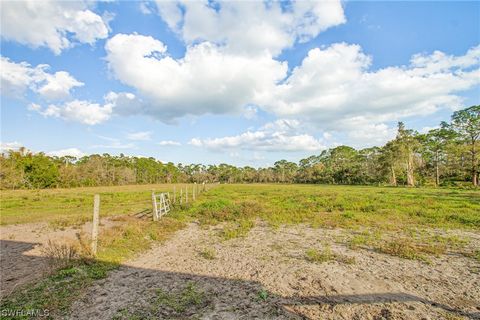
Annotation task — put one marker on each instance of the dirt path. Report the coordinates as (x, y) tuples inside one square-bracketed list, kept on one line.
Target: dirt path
[(266, 276), (21, 256)]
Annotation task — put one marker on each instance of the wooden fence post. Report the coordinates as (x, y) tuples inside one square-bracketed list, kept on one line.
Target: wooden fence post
[(193, 191), (96, 219), (181, 195), (154, 205), (186, 194), (174, 194)]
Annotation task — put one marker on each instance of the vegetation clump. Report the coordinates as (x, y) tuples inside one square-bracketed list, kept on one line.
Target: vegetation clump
[(326, 255), (185, 303), (207, 253)]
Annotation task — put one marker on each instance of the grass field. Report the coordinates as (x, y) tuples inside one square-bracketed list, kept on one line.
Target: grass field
[(340, 206), (74, 206), (401, 222), (317, 205)]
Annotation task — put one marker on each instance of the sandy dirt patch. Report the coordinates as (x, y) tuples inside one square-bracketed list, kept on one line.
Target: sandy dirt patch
[(21, 256), (265, 276)]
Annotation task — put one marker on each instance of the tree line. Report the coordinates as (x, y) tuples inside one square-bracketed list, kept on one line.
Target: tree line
[(448, 155)]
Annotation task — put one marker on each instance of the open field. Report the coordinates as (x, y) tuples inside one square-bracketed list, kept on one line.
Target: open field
[(264, 251), (73, 206), (319, 205)]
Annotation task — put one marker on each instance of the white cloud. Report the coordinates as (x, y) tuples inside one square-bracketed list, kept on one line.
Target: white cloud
[(16, 78), (58, 85), (145, 8), (73, 152), (53, 24), (250, 112), (113, 143), (206, 80), (169, 143), (281, 135), (364, 134), (250, 26), (140, 136), (7, 146), (34, 107), (79, 111), (333, 85)]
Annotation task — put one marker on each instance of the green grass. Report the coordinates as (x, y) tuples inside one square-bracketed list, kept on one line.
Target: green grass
[(66, 207), (353, 207), (239, 205)]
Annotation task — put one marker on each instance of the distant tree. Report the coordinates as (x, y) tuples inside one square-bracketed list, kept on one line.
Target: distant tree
[(435, 144), (406, 144), (285, 170), (466, 123), (388, 161), (40, 171)]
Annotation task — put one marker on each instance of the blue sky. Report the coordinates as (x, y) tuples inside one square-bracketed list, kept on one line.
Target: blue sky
[(235, 82)]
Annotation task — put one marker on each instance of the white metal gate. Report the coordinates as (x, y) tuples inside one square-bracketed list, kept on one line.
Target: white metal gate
[(161, 205)]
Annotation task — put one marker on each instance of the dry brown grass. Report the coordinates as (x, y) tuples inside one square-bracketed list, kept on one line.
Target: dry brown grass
[(67, 253)]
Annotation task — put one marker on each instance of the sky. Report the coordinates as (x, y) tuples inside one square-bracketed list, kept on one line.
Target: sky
[(238, 82)]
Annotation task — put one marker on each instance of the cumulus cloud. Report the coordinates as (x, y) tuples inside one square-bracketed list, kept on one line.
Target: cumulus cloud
[(16, 78), (365, 134), (206, 80), (72, 152), (281, 135), (334, 85), (53, 24), (79, 111), (258, 26), (140, 136), (169, 143)]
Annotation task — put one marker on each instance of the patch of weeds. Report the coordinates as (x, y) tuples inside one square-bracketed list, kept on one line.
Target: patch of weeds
[(178, 304), (326, 255), (263, 295), (473, 254), (452, 241), (345, 259), (363, 239), (236, 229), (65, 222), (56, 292), (409, 249), (207, 253), (451, 316), (186, 303), (476, 255)]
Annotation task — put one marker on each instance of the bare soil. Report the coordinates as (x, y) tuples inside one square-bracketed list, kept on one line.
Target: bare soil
[(266, 275), (22, 259)]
